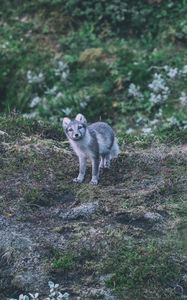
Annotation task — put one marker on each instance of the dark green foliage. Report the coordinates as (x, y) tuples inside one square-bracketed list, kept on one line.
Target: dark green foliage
[(18, 55), (89, 53), (127, 17)]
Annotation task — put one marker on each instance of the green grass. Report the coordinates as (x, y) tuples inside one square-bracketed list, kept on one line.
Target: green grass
[(144, 270), (16, 126), (65, 262)]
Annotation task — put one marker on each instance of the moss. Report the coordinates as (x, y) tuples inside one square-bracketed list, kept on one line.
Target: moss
[(65, 262), (33, 197), (16, 126), (91, 55), (143, 271)]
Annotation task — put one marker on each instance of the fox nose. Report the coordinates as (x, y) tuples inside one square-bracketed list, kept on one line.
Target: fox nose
[(76, 134)]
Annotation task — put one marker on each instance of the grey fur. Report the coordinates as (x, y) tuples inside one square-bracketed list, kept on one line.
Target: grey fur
[(96, 142)]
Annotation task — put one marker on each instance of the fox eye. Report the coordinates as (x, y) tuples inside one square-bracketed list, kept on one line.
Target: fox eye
[(70, 129), (80, 127)]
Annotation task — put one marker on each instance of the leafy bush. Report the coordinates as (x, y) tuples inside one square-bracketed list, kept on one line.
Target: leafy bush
[(109, 79), (95, 71), (16, 55), (128, 16)]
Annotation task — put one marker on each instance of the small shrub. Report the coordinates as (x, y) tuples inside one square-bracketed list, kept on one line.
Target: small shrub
[(54, 294)]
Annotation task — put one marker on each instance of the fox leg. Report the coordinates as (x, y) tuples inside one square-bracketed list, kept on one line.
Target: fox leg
[(82, 169), (107, 161), (101, 165), (95, 171)]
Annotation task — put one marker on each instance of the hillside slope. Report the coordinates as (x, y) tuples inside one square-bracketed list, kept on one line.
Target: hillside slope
[(123, 239)]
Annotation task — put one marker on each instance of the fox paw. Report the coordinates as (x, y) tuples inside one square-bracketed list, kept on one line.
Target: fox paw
[(77, 180), (94, 181), (107, 164)]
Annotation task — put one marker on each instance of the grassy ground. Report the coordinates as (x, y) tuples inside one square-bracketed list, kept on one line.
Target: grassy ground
[(133, 242)]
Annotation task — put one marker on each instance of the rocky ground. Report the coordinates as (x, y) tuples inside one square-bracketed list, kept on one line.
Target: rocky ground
[(123, 239)]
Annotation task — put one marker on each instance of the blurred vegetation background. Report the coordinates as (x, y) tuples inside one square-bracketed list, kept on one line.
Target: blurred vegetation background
[(124, 62)]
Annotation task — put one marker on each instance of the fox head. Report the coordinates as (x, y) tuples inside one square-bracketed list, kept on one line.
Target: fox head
[(75, 129)]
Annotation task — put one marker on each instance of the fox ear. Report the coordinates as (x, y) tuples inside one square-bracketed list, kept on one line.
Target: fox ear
[(81, 118), (66, 122)]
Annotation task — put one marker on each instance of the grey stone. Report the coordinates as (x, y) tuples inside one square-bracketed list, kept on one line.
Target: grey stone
[(84, 211), (153, 217)]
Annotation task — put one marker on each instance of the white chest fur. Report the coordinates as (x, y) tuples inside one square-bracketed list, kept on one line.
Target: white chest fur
[(81, 147)]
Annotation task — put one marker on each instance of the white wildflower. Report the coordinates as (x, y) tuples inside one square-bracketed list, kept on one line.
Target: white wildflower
[(64, 75), (160, 90), (147, 130), (40, 77), (5, 45), (166, 68), (173, 121), (184, 70), (31, 115), (159, 113), (29, 76), (141, 119), (158, 84), (35, 296), (183, 99), (154, 122), (34, 78), (184, 124), (53, 119), (134, 91), (62, 70), (172, 72), (67, 111), (45, 105), (59, 95), (158, 98), (51, 91), (130, 131), (65, 296), (165, 94), (23, 297), (83, 104), (54, 294), (62, 65), (35, 101), (154, 99)]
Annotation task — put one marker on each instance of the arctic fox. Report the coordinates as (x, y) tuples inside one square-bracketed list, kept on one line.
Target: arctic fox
[(96, 142)]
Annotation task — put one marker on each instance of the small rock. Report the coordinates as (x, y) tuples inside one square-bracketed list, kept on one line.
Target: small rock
[(3, 133), (178, 289), (97, 293), (184, 277), (153, 217), (105, 278), (82, 211)]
